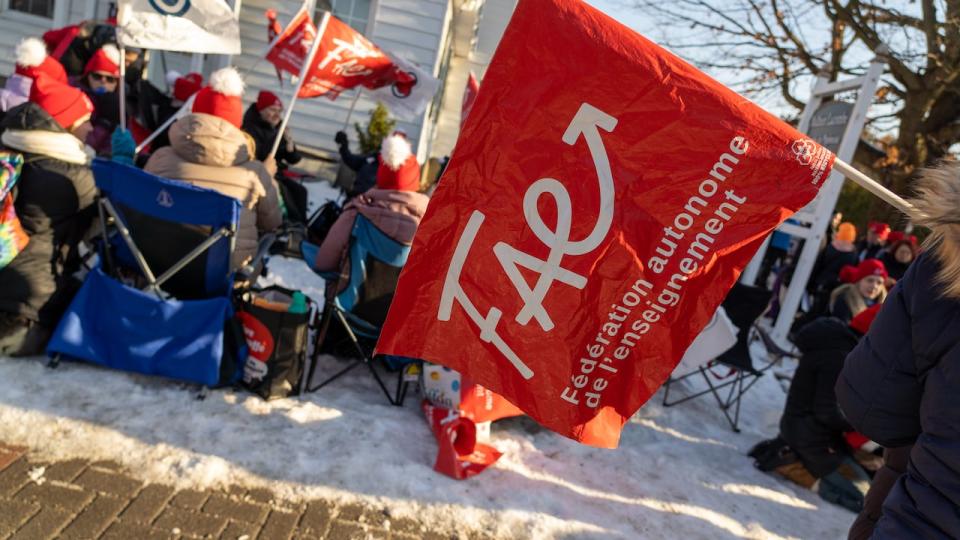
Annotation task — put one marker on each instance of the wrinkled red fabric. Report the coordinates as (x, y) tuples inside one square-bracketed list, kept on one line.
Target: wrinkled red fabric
[(603, 197)]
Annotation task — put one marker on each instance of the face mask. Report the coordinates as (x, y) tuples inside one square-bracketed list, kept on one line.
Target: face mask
[(100, 90)]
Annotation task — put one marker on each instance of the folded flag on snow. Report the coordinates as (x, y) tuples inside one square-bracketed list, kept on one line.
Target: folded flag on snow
[(200, 26), (454, 406), (602, 199)]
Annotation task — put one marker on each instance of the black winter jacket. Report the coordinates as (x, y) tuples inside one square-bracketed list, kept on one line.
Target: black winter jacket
[(364, 165), (264, 136), (54, 202), (902, 382), (812, 423)]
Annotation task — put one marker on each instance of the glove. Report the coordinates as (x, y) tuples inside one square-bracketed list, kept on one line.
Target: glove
[(340, 138), (122, 146)]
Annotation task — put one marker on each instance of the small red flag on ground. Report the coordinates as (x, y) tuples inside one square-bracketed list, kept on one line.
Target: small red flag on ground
[(602, 199)]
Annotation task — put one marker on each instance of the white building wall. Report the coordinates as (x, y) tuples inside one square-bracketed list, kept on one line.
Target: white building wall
[(478, 29)]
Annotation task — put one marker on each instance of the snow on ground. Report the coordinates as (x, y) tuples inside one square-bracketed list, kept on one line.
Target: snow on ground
[(679, 472)]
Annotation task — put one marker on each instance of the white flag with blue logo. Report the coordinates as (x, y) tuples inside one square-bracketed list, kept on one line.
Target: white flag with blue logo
[(198, 26)]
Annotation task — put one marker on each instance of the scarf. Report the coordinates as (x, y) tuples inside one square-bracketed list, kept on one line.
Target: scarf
[(62, 146)]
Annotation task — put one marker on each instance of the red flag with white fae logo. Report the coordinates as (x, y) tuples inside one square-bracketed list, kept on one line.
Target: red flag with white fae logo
[(346, 60), (602, 199)]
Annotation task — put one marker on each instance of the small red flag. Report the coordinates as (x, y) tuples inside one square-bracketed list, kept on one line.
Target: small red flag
[(469, 96), (273, 30), (602, 199), (290, 51)]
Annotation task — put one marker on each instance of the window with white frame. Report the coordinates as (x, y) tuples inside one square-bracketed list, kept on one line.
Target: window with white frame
[(355, 13), (39, 8)]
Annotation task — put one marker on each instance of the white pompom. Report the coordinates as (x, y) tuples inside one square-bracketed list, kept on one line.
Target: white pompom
[(227, 81), (31, 52), (112, 52), (172, 77), (394, 150)]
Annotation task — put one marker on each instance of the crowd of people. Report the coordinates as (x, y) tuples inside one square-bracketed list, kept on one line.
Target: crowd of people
[(867, 422), (60, 121)]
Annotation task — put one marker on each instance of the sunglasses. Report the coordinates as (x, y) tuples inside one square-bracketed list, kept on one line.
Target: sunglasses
[(110, 79)]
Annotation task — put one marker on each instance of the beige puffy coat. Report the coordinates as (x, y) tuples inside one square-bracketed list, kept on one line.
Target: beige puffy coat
[(212, 153)]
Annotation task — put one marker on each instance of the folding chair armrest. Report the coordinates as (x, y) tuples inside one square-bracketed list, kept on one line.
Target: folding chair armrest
[(249, 272)]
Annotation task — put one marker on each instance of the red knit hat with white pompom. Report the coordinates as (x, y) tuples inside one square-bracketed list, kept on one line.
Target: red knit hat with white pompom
[(398, 168), (105, 60), (32, 59), (222, 96)]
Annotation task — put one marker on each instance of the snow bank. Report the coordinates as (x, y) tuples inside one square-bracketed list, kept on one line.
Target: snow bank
[(679, 472)]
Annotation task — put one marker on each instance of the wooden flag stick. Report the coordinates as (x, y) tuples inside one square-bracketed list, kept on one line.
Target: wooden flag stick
[(304, 71), (353, 105), (875, 188)]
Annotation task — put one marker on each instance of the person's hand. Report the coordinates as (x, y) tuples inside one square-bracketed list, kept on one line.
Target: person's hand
[(271, 165), (340, 138), (122, 146)]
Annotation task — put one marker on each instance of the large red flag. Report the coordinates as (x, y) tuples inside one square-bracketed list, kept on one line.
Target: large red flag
[(346, 60), (602, 199)]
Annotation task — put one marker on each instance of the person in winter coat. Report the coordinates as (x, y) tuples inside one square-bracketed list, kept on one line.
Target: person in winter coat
[(32, 59), (100, 80), (366, 166), (839, 252), (394, 206), (872, 246), (208, 149), (182, 87), (54, 202), (864, 287), (899, 385), (812, 423), (897, 258), (262, 122)]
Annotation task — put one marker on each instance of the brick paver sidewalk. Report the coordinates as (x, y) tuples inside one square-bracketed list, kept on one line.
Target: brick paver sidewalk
[(79, 499)]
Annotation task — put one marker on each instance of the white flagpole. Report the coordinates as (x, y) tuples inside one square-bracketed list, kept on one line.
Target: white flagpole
[(353, 104), (183, 111), (123, 89), (307, 64), (875, 188)]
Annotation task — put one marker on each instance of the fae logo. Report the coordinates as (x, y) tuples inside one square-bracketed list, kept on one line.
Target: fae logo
[(803, 151), (587, 124), (173, 8), (164, 199)]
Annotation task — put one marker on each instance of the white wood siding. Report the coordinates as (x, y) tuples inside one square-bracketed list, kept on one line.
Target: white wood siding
[(15, 26), (482, 31)]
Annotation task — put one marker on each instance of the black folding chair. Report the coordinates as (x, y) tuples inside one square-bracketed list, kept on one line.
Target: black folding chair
[(744, 304)]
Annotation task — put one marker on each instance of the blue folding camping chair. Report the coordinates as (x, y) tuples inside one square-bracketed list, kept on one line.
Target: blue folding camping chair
[(358, 303), (160, 299)]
